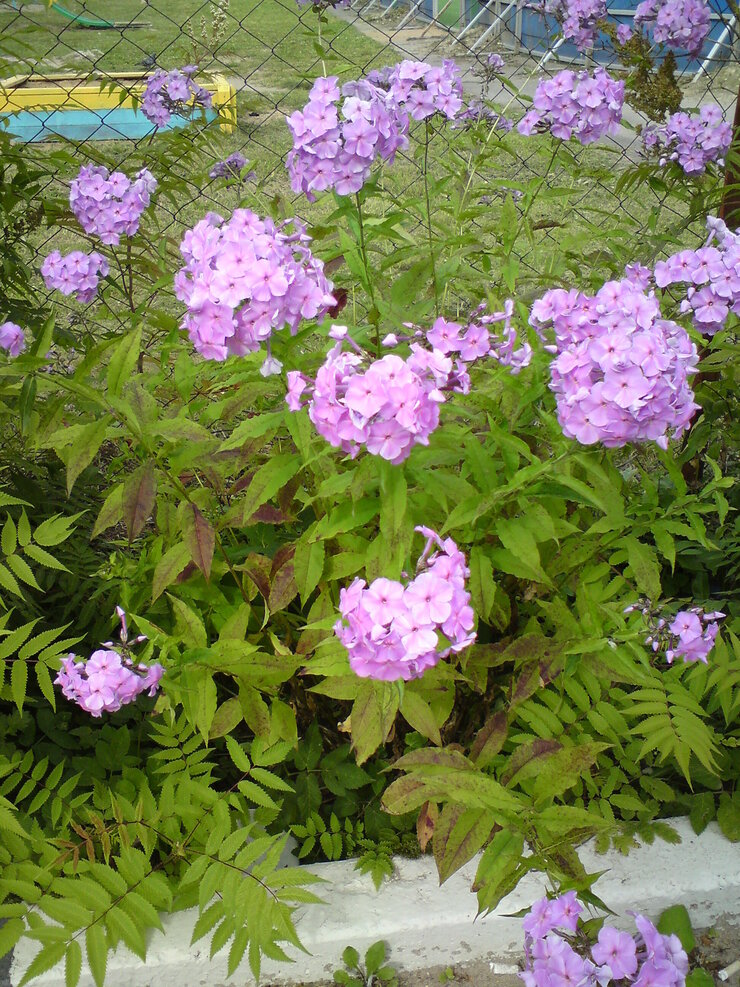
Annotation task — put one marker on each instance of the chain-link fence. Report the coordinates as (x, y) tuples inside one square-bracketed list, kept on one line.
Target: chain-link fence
[(76, 69)]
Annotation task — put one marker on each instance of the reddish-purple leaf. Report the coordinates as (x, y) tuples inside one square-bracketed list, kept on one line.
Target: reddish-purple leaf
[(200, 538), (139, 497)]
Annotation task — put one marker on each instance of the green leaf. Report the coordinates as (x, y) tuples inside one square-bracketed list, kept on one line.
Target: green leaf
[(123, 361), (308, 567), (458, 835), (8, 538), (373, 713), (728, 816), (200, 538), (44, 960), (350, 957), (169, 568), (675, 921), (138, 498), (699, 978), (79, 446), (497, 867), (238, 755), (199, 698), (73, 964), (702, 811), (97, 952), (44, 558), (266, 482), (375, 958), (645, 568), (227, 717), (562, 769), (18, 682), (10, 933), (54, 530), (418, 714), (111, 512)]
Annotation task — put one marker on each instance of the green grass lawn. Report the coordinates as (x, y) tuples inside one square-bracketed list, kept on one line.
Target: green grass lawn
[(265, 46)]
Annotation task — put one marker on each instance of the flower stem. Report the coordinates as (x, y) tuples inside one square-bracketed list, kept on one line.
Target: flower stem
[(374, 314), (432, 257)]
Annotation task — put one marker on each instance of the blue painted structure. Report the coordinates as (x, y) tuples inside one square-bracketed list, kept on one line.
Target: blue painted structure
[(539, 33), (115, 123)]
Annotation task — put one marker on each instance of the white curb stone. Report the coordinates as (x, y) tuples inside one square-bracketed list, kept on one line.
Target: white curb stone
[(425, 924)]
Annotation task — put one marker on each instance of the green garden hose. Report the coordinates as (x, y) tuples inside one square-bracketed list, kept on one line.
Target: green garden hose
[(91, 21)]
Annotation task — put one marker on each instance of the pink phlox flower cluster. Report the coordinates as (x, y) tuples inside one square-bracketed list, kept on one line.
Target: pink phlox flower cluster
[(174, 92), (246, 278), (690, 635), (495, 62), (579, 19), (232, 168), (339, 135), (106, 681), (110, 206), (713, 275), (692, 141), (12, 338), (397, 630), (580, 105), (621, 371), (562, 959), (679, 24), (624, 33), (75, 273), (477, 340), (423, 90), (388, 408)]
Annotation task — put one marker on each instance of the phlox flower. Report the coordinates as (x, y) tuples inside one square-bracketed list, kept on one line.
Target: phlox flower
[(712, 274), (679, 24), (394, 630), (246, 278), (620, 372), (76, 273), (110, 206), (579, 105), (12, 338), (339, 135), (174, 92)]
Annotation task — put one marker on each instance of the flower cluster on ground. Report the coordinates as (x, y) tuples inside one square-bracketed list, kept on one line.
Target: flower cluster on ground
[(621, 371), (397, 630), (245, 278), (174, 93)]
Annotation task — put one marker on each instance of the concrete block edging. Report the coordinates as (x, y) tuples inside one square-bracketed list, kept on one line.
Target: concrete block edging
[(425, 924)]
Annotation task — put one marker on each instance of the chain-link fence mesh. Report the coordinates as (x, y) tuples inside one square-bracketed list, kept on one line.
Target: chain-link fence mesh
[(65, 67)]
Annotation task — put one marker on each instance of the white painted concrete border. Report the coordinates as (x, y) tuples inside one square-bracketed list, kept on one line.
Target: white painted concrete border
[(425, 924)]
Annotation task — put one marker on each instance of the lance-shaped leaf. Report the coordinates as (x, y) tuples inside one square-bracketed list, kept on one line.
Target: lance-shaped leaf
[(139, 497), (200, 538)]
